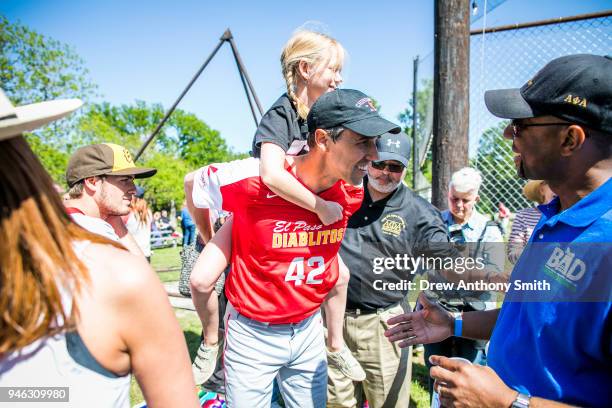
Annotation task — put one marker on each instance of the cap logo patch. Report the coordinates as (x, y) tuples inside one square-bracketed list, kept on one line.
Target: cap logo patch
[(394, 142), (576, 100), (122, 158), (366, 101), (128, 156)]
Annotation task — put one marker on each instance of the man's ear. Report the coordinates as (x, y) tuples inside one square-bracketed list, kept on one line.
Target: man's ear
[(322, 139), (573, 139), (477, 199), (92, 184)]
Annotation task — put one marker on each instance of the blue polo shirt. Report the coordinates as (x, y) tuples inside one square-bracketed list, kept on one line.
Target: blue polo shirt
[(557, 343)]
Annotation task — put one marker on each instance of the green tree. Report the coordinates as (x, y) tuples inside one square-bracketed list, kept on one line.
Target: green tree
[(52, 159), (424, 99), (35, 68), (495, 160), (166, 187), (183, 144)]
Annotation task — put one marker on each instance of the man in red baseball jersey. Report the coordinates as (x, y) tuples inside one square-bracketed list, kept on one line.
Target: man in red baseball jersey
[(284, 261)]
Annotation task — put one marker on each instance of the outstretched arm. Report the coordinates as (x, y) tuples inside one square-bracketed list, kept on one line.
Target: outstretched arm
[(432, 324)]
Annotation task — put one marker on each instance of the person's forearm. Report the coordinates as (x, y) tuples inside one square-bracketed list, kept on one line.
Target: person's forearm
[(479, 325), (201, 216), (288, 188)]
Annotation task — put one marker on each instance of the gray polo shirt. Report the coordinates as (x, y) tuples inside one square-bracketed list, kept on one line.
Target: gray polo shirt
[(402, 223)]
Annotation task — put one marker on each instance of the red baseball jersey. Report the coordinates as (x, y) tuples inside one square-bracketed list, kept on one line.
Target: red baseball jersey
[(284, 260)]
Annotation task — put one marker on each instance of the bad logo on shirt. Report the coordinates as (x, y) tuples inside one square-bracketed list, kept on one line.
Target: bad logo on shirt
[(565, 267)]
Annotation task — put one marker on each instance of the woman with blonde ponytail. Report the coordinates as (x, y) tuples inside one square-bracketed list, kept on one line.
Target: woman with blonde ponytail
[(76, 307)]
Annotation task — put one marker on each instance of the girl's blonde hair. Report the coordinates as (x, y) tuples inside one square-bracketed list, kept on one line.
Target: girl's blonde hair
[(312, 47), (37, 259)]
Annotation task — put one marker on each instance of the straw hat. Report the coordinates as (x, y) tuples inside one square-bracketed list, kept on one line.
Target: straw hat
[(14, 120)]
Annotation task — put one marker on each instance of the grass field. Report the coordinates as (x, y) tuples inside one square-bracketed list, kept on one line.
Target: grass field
[(167, 258), (419, 397)]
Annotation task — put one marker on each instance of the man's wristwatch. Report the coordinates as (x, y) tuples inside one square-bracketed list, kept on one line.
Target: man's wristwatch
[(521, 401)]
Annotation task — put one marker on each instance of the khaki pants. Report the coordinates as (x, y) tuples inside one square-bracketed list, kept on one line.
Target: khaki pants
[(388, 368)]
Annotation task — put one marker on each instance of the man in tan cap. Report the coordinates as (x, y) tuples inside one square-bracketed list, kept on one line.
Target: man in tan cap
[(101, 181)]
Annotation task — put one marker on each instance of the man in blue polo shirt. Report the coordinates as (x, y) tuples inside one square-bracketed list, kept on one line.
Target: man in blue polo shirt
[(553, 342)]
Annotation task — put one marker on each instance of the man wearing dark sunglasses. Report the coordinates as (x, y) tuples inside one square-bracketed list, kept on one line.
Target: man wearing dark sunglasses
[(392, 221), (549, 345)]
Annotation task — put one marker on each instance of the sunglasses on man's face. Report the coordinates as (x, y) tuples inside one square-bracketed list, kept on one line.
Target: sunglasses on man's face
[(391, 167), (517, 127)]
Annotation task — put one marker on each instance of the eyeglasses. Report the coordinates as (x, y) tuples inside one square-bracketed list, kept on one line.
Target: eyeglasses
[(517, 127), (391, 168)]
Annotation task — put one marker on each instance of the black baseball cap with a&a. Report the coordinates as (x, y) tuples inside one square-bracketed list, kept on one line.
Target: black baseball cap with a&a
[(577, 88)]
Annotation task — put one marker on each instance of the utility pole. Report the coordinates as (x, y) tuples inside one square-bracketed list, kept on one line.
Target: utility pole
[(451, 94), (415, 146)]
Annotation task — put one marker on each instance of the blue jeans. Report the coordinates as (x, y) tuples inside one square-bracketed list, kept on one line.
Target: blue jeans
[(189, 233)]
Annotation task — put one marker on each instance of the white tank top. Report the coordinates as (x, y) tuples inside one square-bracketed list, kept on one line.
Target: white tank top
[(47, 362)]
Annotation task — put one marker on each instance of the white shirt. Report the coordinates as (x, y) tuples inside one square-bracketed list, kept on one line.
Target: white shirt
[(95, 225)]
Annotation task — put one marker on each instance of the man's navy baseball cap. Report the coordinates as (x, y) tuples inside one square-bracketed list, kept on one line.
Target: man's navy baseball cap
[(350, 109), (577, 88), (392, 146)]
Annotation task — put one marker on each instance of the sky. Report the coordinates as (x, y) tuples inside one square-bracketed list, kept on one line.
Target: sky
[(149, 50)]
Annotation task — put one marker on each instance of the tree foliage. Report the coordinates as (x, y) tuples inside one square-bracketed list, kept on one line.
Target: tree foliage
[(34, 68), (184, 143), (493, 158), (424, 105)]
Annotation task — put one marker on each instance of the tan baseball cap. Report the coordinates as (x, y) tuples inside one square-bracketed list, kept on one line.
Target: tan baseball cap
[(101, 160)]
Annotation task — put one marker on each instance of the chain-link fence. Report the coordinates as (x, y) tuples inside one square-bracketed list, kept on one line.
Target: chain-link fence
[(506, 59)]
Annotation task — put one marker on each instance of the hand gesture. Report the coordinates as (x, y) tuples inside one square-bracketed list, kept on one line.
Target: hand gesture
[(430, 324), (465, 385), (329, 212)]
